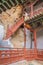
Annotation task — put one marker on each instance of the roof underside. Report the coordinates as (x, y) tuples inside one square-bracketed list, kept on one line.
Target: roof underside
[(7, 4), (36, 21)]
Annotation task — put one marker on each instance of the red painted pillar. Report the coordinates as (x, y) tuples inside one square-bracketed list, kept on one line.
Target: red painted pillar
[(24, 36), (25, 54), (35, 45), (31, 10)]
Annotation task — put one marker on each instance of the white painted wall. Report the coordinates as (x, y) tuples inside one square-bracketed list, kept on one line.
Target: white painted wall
[(4, 43), (28, 39), (1, 32), (39, 39)]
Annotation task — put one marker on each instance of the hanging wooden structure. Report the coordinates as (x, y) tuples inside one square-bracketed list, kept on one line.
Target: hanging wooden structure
[(10, 55)]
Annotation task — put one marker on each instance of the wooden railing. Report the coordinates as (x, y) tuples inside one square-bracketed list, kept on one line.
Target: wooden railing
[(14, 55)]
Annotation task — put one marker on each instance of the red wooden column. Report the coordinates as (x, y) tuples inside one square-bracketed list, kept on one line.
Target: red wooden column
[(24, 36), (25, 54), (31, 10), (35, 40), (35, 44)]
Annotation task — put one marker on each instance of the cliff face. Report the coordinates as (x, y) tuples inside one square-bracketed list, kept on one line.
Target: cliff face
[(18, 39), (9, 18)]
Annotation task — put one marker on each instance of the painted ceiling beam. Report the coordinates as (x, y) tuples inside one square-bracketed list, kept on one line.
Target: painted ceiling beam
[(12, 2), (22, 1), (4, 6), (1, 9), (17, 1), (8, 4)]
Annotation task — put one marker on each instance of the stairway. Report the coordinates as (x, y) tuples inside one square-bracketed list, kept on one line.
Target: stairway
[(15, 55), (14, 28)]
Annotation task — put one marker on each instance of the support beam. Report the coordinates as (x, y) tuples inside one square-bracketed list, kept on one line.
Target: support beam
[(35, 45), (7, 4), (33, 3), (17, 1), (24, 36), (4, 6), (11, 2), (28, 27), (31, 40), (1, 9), (31, 10)]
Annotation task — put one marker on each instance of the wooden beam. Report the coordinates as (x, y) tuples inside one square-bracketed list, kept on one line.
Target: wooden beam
[(11, 2)]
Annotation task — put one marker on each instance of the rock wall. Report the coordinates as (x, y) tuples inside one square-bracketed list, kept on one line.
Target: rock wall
[(9, 18), (18, 39)]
